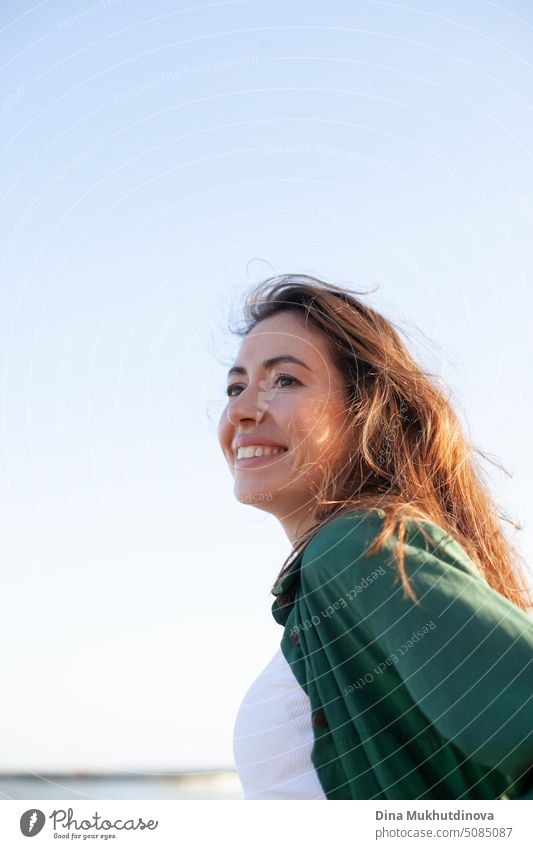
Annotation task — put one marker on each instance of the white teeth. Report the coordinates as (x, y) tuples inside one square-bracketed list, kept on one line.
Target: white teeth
[(257, 451)]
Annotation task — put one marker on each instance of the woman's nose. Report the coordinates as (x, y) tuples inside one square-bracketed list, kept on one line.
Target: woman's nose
[(251, 403)]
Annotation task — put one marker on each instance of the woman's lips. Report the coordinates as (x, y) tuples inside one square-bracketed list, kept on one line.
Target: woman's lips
[(251, 462)]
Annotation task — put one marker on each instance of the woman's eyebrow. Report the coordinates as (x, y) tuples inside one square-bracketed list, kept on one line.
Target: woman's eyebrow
[(272, 361)]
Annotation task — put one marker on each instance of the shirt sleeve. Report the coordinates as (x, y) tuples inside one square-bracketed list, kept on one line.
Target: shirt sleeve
[(463, 651)]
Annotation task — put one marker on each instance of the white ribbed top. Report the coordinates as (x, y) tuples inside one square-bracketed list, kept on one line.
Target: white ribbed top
[(273, 737)]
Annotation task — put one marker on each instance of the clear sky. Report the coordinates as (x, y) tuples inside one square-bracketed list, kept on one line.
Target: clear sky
[(156, 162)]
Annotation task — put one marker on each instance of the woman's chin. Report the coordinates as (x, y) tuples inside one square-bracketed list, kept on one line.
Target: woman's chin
[(257, 497)]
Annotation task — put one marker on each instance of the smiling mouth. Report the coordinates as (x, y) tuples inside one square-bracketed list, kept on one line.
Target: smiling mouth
[(260, 454)]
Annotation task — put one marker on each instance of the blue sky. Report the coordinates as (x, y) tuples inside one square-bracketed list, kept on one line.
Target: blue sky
[(157, 161)]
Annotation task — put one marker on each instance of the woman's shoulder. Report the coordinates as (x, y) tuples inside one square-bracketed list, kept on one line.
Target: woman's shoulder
[(351, 537)]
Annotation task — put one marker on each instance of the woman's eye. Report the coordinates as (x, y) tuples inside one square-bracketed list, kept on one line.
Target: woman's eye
[(285, 377), (229, 390)]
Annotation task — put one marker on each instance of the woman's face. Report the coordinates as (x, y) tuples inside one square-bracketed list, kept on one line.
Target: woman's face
[(297, 406)]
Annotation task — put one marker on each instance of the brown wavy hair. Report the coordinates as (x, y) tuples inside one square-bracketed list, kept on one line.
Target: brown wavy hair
[(406, 452)]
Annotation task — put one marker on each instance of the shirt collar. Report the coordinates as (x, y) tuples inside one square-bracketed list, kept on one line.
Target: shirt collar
[(285, 591)]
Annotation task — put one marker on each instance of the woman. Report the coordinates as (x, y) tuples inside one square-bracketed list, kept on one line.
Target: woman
[(405, 666)]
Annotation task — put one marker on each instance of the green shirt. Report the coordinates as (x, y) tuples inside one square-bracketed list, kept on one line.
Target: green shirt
[(432, 700)]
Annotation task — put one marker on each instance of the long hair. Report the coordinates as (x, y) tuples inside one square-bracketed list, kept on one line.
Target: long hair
[(405, 450)]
